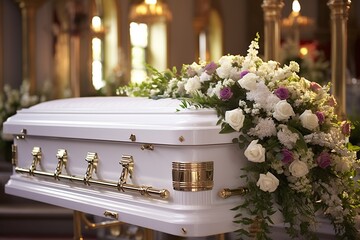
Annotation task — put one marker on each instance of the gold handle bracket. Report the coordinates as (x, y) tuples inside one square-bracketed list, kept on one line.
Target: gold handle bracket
[(92, 159), (62, 157), (127, 162), (36, 153)]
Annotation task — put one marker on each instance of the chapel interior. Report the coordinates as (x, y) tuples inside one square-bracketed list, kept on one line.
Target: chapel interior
[(52, 49)]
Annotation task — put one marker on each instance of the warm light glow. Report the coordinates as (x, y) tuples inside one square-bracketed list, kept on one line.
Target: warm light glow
[(304, 51), (139, 34), (96, 66), (296, 6), (202, 45), (150, 1), (96, 23), (97, 80)]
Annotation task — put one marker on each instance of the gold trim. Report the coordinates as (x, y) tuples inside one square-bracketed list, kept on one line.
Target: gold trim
[(127, 162), (226, 192), (192, 176), (143, 190), (14, 159)]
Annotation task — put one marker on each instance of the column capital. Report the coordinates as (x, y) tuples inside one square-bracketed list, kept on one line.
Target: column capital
[(272, 8), (339, 8)]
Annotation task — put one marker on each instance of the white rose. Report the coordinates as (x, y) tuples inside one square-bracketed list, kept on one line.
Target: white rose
[(283, 111), (309, 120), (192, 84), (205, 77), (267, 182), (224, 70), (255, 152), (248, 81), (235, 118), (298, 168)]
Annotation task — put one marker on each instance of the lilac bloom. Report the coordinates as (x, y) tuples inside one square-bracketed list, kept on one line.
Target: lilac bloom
[(323, 160), (225, 93), (282, 93), (210, 68), (243, 73), (320, 116), (345, 128), (287, 156)]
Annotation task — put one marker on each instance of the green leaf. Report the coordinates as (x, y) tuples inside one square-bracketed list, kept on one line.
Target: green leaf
[(227, 129)]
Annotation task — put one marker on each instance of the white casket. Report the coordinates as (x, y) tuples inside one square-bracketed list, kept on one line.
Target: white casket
[(136, 160)]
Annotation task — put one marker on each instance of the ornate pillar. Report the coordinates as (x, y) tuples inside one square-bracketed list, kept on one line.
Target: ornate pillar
[(272, 20), (339, 15), (28, 14)]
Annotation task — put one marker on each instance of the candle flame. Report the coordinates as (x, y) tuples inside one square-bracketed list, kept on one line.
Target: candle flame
[(296, 6)]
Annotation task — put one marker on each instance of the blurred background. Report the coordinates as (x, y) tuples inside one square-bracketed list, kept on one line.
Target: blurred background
[(51, 49)]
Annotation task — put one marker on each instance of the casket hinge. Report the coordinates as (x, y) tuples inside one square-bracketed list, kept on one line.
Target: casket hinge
[(62, 160), (36, 153), (192, 176), (226, 192), (14, 155), (22, 134), (92, 159), (147, 147)]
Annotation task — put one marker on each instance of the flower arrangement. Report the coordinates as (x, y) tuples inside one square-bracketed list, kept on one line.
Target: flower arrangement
[(12, 100), (300, 162)]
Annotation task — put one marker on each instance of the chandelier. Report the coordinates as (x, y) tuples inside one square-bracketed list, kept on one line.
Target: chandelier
[(150, 11)]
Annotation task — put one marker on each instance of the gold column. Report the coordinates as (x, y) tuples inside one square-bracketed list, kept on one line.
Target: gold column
[(272, 20), (339, 15), (28, 14)]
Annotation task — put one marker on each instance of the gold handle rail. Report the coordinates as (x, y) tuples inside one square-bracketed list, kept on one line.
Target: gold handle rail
[(226, 192), (143, 190)]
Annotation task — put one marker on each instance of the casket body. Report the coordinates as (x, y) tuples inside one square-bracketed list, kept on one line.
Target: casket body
[(136, 160)]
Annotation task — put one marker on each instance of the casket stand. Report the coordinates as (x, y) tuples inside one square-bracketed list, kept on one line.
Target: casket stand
[(133, 160)]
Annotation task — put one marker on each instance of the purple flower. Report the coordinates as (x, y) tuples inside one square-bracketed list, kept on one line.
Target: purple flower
[(282, 93), (210, 68), (323, 160), (225, 93), (345, 128), (315, 86), (287, 156), (243, 73), (320, 116), (191, 72)]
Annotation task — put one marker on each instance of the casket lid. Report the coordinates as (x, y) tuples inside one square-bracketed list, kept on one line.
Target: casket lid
[(160, 121)]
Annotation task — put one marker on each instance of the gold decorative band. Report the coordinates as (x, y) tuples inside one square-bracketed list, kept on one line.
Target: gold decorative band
[(192, 176)]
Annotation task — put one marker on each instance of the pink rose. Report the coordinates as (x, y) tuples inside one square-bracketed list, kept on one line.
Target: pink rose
[(323, 160), (346, 128)]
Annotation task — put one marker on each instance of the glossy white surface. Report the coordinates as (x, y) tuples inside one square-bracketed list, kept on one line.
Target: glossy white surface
[(103, 125)]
